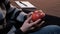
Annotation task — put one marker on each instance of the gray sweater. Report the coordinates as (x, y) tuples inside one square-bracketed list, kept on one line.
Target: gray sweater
[(14, 19)]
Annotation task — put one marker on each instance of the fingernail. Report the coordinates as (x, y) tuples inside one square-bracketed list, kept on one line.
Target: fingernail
[(39, 19)]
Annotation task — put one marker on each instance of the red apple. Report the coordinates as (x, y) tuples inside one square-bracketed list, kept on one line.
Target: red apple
[(37, 15)]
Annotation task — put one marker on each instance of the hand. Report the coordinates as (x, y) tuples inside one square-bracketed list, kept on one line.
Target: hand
[(28, 24)]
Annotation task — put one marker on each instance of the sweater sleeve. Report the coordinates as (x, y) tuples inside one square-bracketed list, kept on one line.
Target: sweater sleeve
[(19, 32)]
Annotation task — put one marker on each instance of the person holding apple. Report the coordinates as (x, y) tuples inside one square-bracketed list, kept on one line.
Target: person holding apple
[(12, 17), (32, 22)]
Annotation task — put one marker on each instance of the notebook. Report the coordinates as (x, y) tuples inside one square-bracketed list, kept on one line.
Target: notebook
[(25, 4)]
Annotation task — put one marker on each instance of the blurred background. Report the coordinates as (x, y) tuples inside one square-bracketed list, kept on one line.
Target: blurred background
[(50, 7)]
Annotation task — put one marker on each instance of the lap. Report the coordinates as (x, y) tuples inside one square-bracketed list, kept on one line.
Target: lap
[(50, 29)]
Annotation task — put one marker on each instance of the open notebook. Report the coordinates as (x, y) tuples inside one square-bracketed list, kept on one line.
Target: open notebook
[(25, 4)]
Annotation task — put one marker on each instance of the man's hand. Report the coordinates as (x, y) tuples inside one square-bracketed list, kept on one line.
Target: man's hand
[(28, 24)]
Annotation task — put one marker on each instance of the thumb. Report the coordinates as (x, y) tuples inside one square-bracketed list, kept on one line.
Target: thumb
[(28, 19), (29, 14)]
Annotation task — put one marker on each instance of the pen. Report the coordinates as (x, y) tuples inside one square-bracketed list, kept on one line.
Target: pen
[(23, 3)]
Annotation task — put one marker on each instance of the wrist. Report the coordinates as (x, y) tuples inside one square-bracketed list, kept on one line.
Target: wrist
[(22, 29)]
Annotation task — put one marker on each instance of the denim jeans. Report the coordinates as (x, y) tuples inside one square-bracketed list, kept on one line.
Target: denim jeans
[(50, 29)]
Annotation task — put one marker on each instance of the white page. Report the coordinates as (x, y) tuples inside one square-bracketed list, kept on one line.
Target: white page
[(21, 5), (29, 5)]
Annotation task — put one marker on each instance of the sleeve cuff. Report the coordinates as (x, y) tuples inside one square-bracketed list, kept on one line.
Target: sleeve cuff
[(19, 32)]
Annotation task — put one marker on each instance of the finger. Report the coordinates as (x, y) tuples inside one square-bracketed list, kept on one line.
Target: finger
[(40, 11), (32, 28), (29, 14), (43, 14), (40, 24), (31, 21), (28, 19), (36, 22)]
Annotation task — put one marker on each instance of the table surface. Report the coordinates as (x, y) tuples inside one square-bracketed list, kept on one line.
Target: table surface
[(50, 7)]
